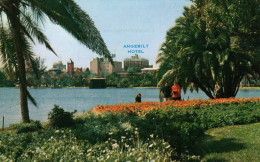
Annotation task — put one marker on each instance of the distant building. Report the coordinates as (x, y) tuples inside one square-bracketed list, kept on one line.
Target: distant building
[(78, 70), (54, 71), (102, 67), (127, 74), (70, 67), (136, 61), (94, 65), (149, 70), (59, 65), (97, 83)]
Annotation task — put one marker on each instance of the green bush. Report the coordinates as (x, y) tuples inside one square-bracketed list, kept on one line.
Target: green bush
[(178, 127), (232, 114), (60, 118), (26, 127)]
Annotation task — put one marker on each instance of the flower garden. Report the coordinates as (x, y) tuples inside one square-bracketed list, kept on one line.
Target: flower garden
[(142, 108), (147, 131)]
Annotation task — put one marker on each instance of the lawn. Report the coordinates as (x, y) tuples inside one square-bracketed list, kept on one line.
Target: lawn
[(231, 143)]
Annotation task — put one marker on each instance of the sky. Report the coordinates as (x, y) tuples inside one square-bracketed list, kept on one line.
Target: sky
[(121, 23)]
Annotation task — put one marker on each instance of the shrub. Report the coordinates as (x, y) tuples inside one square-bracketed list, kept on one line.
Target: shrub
[(177, 127), (60, 118), (27, 127)]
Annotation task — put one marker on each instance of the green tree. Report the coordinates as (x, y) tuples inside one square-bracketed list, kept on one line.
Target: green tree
[(148, 80), (214, 40), (4, 82), (78, 80), (113, 79), (124, 83), (134, 79), (134, 70), (19, 24), (36, 72)]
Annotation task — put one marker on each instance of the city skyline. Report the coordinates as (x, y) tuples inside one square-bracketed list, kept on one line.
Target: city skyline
[(120, 23), (84, 67)]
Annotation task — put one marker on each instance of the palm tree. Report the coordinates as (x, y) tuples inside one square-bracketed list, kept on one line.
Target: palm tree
[(19, 23), (205, 46)]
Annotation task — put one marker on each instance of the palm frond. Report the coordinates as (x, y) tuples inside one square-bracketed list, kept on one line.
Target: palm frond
[(35, 31), (31, 98), (7, 52), (169, 77), (77, 22), (159, 58)]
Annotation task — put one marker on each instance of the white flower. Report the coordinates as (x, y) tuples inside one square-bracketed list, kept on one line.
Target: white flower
[(123, 137), (151, 135), (140, 158), (51, 138), (165, 143), (89, 150), (57, 131), (168, 146), (110, 133), (151, 145), (126, 145), (115, 145)]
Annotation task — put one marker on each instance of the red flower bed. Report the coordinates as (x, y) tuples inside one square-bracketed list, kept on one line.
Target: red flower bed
[(147, 106)]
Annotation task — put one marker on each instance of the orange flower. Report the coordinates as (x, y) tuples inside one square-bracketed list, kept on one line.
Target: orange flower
[(141, 108)]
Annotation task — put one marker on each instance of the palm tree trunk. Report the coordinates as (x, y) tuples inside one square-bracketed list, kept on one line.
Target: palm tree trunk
[(18, 41)]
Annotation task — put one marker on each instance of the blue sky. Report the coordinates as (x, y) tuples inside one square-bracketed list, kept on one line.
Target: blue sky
[(120, 22)]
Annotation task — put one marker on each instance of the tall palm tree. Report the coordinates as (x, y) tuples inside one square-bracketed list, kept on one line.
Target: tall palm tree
[(206, 45), (20, 25)]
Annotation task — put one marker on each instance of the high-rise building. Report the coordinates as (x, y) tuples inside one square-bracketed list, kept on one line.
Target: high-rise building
[(70, 67), (136, 61), (59, 65)]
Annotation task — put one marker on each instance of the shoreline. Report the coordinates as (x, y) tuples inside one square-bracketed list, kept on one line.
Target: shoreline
[(256, 88), (249, 88)]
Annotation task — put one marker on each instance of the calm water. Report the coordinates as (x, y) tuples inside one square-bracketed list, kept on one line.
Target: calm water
[(82, 99)]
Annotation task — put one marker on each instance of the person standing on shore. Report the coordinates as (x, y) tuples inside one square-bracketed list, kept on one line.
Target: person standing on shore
[(138, 98), (166, 92), (216, 90), (176, 91)]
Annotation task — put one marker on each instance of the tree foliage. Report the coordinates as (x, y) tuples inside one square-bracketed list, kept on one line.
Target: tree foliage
[(4, 82), (214, 40)]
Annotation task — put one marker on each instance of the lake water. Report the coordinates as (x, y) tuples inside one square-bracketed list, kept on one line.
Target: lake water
[(83, 99)]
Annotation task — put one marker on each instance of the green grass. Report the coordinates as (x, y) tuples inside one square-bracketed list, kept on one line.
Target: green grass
[(231, 143)]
